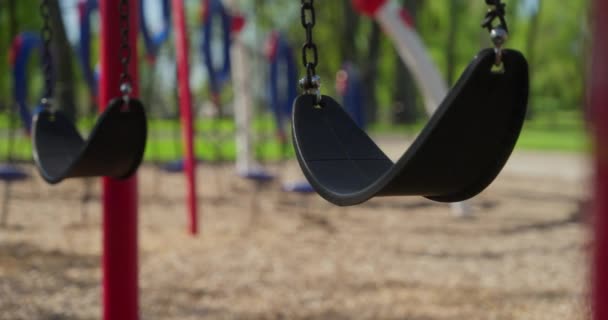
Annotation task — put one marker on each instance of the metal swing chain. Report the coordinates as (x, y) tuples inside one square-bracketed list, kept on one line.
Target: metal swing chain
[(46, 34), (310, 84), (126, 84), (499, 33)]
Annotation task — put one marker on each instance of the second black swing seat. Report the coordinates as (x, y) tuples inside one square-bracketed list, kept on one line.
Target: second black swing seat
[(115, 147), (461, 150)]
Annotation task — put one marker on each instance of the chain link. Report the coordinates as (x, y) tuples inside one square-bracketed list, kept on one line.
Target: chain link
[(500, 32), (46, 34), (47, 37), (125, 48), (497, 11), (310, 54)]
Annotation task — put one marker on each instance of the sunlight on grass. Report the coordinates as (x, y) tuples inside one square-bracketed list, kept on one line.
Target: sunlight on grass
[(215, 138)]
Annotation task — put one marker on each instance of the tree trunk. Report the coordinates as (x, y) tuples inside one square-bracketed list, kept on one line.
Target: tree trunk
[(370, 74), (585, 63), (455, 7), (531, 47), (61, 52), (12, 26), (405, 103), (533, 35), (350, 26)]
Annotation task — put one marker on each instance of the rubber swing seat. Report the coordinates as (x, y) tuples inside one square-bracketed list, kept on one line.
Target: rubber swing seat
[(302, 187), (461, 150), (115, 147), (12, 173), (257, 175), (175, 166)]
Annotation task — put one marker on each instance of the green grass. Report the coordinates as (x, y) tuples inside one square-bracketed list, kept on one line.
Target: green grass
[(215, 139), (213, 150), (566, 140), (563, 132)]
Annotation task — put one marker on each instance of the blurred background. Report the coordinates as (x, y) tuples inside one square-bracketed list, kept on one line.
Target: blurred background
[(553, 36), (268, 251)]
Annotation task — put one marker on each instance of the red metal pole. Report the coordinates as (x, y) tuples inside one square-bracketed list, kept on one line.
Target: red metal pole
[(185, 106), (120, 256), (599, 111)]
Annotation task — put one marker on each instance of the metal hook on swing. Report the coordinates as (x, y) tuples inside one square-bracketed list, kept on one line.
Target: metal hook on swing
[(499, 37), (311, 83), (312, 86), (46, 102), (500, 33), (125, 89)]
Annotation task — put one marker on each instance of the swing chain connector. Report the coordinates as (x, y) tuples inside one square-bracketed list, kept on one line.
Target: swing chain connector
[(499, 38), (498, 33), (46, 103), (311, 84), (126, 89)]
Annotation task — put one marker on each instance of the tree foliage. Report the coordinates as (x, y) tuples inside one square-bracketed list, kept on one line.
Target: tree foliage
[(552, 34)]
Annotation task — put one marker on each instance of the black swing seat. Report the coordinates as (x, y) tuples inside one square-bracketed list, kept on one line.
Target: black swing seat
[(115, 147), (457, 155)]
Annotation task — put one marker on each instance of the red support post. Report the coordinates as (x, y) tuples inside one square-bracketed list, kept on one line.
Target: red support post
[(185, 103), (120, 198), (599, 114)]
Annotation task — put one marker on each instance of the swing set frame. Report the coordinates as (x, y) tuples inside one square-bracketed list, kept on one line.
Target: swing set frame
[(120, 197)]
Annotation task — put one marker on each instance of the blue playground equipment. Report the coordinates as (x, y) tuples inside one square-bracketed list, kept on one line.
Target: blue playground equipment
[(86, 8), (257, 175), (175, 166), (154, 41), (302, 187), (11, 173), (282, 91), (219, 75), (283, 79), (215, 20), (23, 47)]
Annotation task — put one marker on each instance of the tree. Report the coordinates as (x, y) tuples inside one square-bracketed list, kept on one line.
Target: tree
[(370, 74), (349, 31), (406, 108), (61, 51), (455, 10)]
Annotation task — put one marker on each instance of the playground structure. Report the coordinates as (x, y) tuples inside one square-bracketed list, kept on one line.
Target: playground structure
[(244, 102), (23, 47), (114, 149), (120, 210), (86, 9), (181, 44), (282, 73), (9, 171), (153, 43)]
